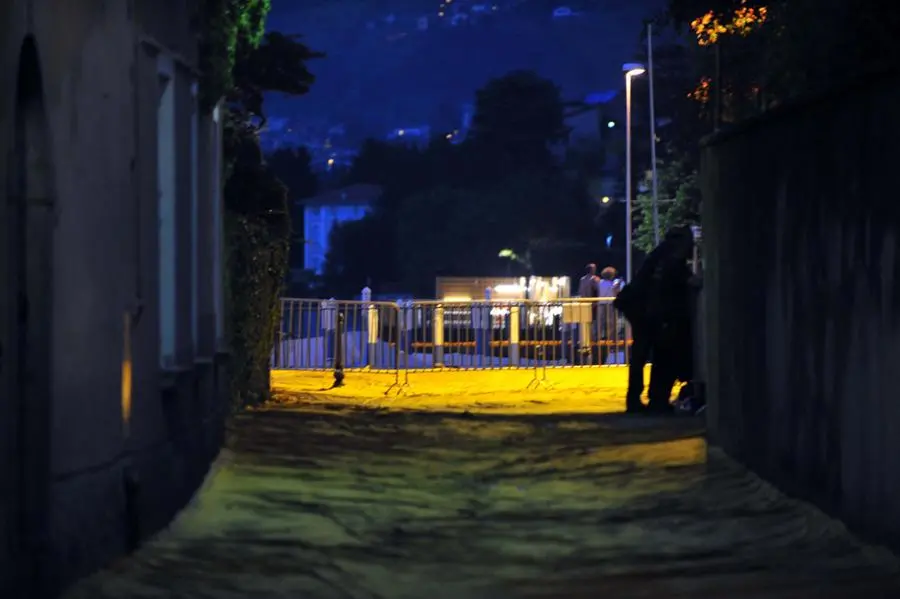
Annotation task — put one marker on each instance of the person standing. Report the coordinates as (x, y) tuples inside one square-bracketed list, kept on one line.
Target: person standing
[(588, 288), (609, 288), (652, 305), (588, 285)]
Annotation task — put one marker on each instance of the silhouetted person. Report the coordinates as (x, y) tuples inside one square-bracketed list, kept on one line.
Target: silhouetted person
[(588, 286), (608, 288), (657, 305)]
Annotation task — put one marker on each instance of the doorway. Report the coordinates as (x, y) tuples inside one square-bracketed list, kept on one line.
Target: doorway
[(28, 221)]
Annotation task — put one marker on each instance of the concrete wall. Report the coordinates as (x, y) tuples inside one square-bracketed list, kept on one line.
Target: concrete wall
[(102, 444), (801, 223)]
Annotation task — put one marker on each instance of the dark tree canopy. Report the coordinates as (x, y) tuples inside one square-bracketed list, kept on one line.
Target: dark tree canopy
[(449, 209), (292, 166), (277, 64), (518, 118)]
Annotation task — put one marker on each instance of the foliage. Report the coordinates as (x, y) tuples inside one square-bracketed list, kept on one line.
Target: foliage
[(518, 118), (293, 167), (240, 63), (356, 256), (256, 263), (742, 20), (224, 24), (277, 64), (449, 209), (679, 204)]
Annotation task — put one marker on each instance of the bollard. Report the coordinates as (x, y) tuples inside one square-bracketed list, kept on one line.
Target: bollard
[(437, 325), (339, 351), (514, 330)]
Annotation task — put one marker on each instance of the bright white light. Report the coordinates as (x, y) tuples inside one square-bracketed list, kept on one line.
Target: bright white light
[(633, 69), (610, 124), (508, 288), (605, 200)]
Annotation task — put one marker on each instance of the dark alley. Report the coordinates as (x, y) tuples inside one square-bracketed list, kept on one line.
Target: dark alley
[(330, 501)]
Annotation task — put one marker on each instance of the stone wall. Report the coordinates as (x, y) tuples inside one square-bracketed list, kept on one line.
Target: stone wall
[(802, 283), (101, 440)]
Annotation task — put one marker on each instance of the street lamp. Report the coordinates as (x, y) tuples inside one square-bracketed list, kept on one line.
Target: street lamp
[(631, 70)]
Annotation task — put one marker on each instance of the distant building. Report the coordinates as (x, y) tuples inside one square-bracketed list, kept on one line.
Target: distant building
[(322, 212)]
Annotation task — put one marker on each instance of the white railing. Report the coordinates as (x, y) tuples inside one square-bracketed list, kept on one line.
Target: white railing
[(426, 335)]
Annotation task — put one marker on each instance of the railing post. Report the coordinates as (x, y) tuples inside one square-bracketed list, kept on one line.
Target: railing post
[(483, 328), (405, 327), (277, 359), (514, 330), (372, 329), (587, 332), (339, 351), (327, 324), (437, 324)]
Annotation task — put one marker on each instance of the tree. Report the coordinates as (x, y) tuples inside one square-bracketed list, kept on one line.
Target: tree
[(236, 66), (276, 64), (679, 204), (357, 257), (293, 167), (518, 118)]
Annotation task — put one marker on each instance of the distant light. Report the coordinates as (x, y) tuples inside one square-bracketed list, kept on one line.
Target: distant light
[(401, 132), (449, 136), (609, 241), (610, 124), (331, 162), (633, 69), (605, 200), (507, 288)]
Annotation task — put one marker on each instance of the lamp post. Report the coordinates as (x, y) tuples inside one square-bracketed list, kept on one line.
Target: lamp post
[(631, 70), (653, 136)]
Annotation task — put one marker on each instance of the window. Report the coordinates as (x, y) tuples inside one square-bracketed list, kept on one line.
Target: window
[(218, 229), (166, 205), (195, 219)]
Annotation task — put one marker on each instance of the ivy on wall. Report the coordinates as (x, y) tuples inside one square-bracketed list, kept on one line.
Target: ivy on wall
[(257, 220), (225, 24)]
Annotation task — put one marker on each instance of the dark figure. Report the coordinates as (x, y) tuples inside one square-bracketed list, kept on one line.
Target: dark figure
[(588, 285), (657, 306)]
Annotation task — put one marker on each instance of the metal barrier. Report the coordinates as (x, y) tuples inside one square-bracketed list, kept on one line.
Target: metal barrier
[(424, 335)]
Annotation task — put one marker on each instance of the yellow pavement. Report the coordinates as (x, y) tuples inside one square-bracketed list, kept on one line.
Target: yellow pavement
[(519, 391)]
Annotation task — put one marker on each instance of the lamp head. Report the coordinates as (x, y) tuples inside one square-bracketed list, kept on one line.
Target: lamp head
[(633, 69)]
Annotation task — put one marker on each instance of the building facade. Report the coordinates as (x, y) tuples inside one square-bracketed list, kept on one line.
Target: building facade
[(323, 212), (111, 309)]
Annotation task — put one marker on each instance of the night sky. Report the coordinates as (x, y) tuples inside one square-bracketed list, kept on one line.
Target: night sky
[(383, 72)]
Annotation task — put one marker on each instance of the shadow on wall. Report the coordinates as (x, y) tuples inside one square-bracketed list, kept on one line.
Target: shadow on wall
[(802, 219)]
